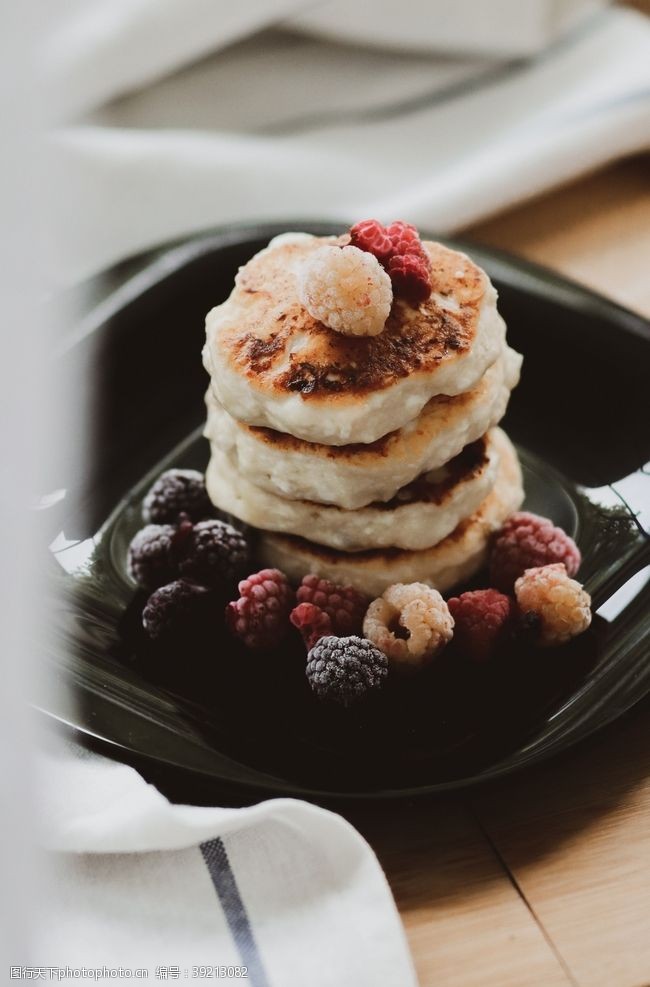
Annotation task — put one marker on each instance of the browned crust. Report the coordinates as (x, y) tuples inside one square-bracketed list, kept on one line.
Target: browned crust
[(267, 316)]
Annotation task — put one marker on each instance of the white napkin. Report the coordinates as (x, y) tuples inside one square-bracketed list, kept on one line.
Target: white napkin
[(287, 127), (286, 889)]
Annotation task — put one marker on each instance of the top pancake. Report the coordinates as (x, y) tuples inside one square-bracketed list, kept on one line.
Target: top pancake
[(272, 364)]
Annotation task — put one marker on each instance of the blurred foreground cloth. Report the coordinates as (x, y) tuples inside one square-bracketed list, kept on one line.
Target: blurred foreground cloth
[(288, 890), (180, 115)]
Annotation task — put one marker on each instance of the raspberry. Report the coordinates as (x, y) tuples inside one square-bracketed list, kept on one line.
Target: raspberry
[(410, 622), (555, 606), (526, 541), (411, 276), (481, 620), (312, 622), (260, 616), (154, 553), (343, 605), (172, 609), (371, 236), (406, 240), (216, 554), (345, 669), (346, 289)]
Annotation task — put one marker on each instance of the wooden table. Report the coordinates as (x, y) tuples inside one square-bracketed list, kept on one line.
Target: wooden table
[(543, 880)]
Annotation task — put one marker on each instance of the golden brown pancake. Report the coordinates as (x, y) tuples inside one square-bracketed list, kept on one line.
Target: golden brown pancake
[(272, 364), (452, 560), (420, 514), (352, 476)]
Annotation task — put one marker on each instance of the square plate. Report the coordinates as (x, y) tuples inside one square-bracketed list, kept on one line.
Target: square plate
[(237, 725)]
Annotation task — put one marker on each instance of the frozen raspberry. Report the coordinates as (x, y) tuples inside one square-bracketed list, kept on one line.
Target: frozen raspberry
[(410, 622), (216, 554), (406, 240), (177, 492), (260, 617), (344, 605), (481, 621), (154, 554), (410, 276), (312, 622), (371, 236), (552, 604), (174, 608), (346, 289), (345, 669), (526, 541)]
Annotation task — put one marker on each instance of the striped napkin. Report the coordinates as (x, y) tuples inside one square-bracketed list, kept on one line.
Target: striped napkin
[(284, 889)]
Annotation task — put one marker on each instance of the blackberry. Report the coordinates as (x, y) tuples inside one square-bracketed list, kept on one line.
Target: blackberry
[(216, 554), (177, 492), (152, 558), (174, 608), (345, 669)]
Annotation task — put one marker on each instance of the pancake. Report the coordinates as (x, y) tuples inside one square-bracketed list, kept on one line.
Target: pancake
[(355, 475), (454, 559), (272, 364), (420, 515)]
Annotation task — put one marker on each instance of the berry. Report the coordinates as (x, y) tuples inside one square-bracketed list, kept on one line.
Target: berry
[(260, 616), (481, 620), (527, 541), (153, 554), (345, 669), (406, 240), (174, 608), (411, 276), (343, 605), (410, 622), (312, 622), (177, 492), (552, 604), (216, 554), (346, 289), (371, 236)]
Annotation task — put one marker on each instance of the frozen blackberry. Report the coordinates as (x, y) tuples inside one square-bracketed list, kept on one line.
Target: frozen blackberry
[(173, 609), (216, 554), (153, 554), (177, 492), (345, 669), (260, 617)]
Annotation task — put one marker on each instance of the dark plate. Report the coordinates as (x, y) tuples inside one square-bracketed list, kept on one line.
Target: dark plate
[(247, 725)]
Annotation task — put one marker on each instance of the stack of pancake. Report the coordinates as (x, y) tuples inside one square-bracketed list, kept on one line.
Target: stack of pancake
[(369, 460)]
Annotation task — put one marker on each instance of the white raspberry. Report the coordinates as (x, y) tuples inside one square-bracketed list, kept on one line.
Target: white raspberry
[(346, 289), (422, 617), (559, 605)]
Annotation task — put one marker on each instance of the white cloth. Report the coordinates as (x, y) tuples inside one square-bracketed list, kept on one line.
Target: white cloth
[(287, 889), (283, 126)]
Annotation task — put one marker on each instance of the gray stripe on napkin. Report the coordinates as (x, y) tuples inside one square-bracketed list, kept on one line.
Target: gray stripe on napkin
[(223, 879)]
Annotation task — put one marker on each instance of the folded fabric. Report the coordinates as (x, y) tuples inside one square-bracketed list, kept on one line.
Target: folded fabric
[(283, 888), (278, 131), (104, 48)]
